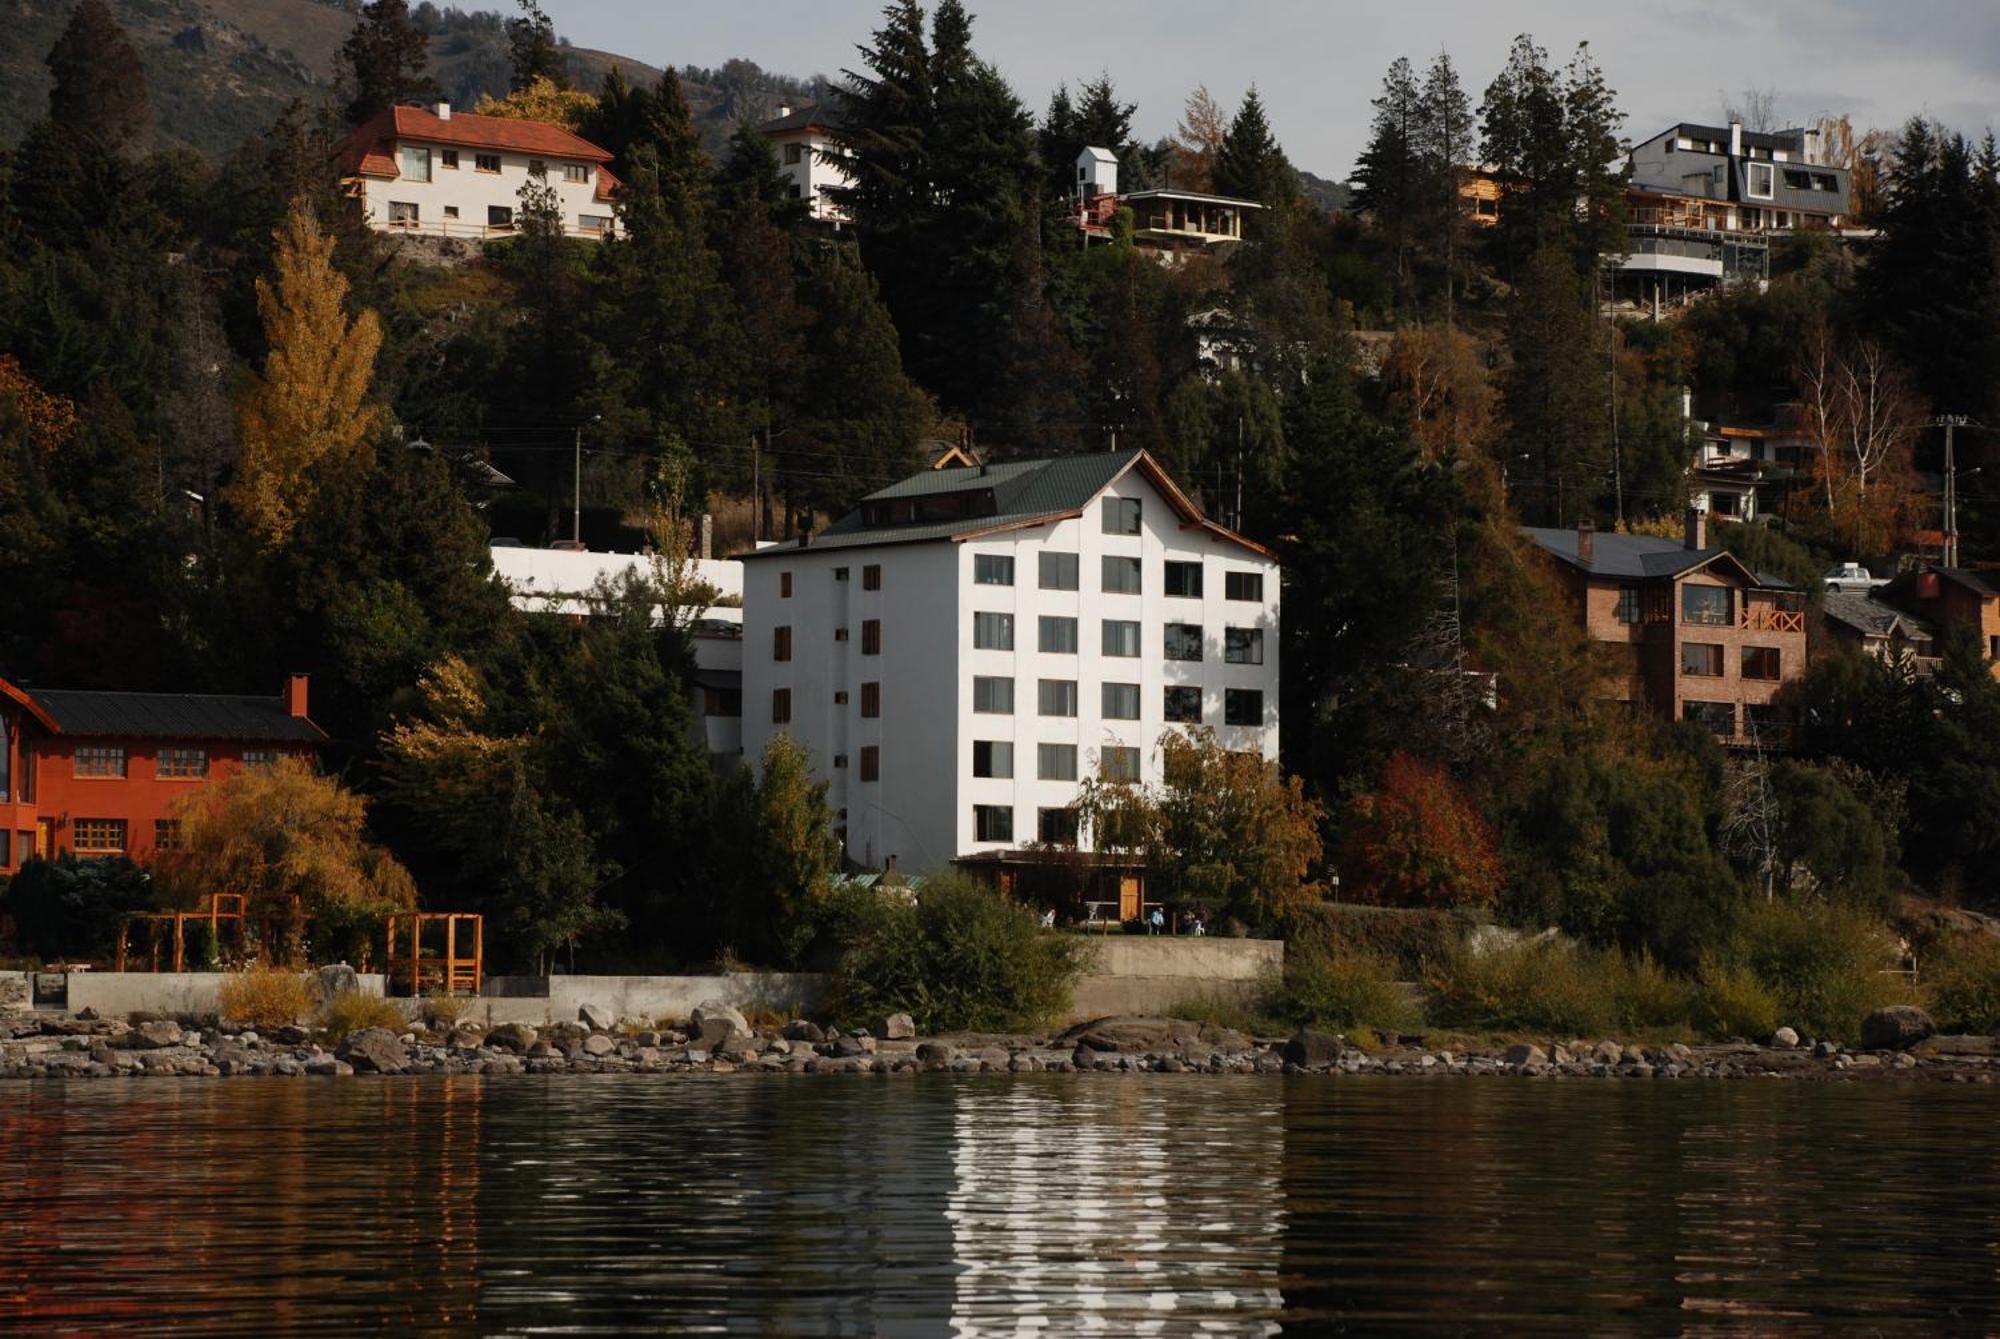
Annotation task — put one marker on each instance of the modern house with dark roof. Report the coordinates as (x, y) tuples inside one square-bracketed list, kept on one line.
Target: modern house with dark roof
[(101, 774), (811, 161), (1166, 222), (1689, 632), (1961, 598), (445, 173), (961, 651)]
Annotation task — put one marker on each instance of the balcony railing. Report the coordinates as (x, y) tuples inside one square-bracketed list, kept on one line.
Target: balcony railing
[(477, 231), (1772, 618)]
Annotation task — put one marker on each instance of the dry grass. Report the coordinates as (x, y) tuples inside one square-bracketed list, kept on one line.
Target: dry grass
[(354, 1012), (265, 998)]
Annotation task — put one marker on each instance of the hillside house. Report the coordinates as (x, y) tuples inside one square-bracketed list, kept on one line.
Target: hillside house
[(1863, 621), (101, 773), (1167, 223), (1953, 598), (961, 651), (1691, 633), (811, 162), (443, 173)]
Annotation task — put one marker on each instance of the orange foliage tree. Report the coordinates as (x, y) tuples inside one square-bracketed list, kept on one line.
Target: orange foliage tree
[(1418, 840)]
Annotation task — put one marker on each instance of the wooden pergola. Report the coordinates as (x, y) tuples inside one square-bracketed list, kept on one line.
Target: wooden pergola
[(456, 964), (224, 909)]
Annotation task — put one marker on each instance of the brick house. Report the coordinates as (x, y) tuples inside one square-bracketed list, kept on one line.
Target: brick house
[(1691, 633), (1953, 597), (101, 773)]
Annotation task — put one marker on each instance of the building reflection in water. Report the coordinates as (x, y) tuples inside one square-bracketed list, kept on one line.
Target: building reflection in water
[(1115, 1206)]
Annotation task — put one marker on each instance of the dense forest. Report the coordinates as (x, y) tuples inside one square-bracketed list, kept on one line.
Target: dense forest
[(237, 431)]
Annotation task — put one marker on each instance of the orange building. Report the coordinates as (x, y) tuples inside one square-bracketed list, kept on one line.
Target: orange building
[(100, 773), (1954, 597)]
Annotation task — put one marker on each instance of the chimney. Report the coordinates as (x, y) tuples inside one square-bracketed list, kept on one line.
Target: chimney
[(1735, 138), (1697, 529), (444, 111), (783, 112), (1586, 542), (707, 549), (1809, 144), (295, 695)]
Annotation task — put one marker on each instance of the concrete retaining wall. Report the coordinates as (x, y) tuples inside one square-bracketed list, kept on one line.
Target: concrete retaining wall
[(1150, 974), (116, 994), (556, 999), (15, 991)]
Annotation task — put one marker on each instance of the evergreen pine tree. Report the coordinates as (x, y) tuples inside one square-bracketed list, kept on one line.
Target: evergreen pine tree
[(1391, 174), (1446, 148), (99, 92), (1553, 394), (1250, 164), (531, 48), (384, 62)]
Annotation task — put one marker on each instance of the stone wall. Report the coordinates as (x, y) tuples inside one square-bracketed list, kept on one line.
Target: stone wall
[(15, 992), (1150, 974), (116, 994), (556, 999)]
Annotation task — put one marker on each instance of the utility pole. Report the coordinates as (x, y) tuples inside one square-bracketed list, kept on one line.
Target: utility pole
[(1951, 421), (756, 492), (576, 490), (1611, 380), (1237, 522)]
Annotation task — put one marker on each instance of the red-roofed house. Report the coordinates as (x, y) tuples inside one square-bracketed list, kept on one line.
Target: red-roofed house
[(457, 174)]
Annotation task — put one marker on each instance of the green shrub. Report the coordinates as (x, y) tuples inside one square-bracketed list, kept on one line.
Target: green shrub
[(265, 998), (960, 958), (1733, 1002), (1542, 985), (1962, 979), (1829, 966), (70, 908), (354, 1011), (1645, 994), (442, 1009), (1326, 985), (1410, 939)]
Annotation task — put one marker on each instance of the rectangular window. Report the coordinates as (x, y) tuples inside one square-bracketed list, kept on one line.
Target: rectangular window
[(98, 836), (1706, 606), (992, 823), (402, 211), (992, 569), (871, 637), (781, 642), (840, 574), (181, 764), (993, 758), (1244, 586), (1760, 181), (448, 158), (1628, 604), (486, 162), (840, 633), (1183, 705), (1701, 659), (1184, 580), (537, 168), (871, 700), (576, 172), (256, 758), (594, 223), (499, 216), (416, 163), (781, 706), (784, 585), (993, 632), (1243, 646), (840, 697), (1121, 638), (100, 760), (166, 834), (1760, 662), (840, 762), (1121, 575), (871, 576), (871, 763), (1056, 697), (1055, 762), (1056, 635), (451, 211), (1121, 516), (1183, 641), (1121, 702), (993, 696), (1055, 827), (1718, 717), (1058, 571), (793, 152), (1118, 762), (722, 701), (1242, 706)]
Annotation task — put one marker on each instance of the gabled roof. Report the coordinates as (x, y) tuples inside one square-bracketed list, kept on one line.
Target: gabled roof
[(1635, 557), (167, 715), (1025, 493), (1976, 582), (1097, 154), (1869, 616), (801, 118), (370, 148)]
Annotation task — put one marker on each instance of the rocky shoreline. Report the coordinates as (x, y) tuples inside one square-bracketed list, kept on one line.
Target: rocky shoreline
[(718, 1040)]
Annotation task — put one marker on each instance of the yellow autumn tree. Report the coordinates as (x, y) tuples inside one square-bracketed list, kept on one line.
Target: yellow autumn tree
[(541, 100), (307, 412)]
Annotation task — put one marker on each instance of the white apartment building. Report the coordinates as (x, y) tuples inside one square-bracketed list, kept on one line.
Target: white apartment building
[(964, 649), (809, 159), (442, 173)]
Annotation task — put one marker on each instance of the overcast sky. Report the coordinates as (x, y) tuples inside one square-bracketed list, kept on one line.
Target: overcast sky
[(1317, 63)]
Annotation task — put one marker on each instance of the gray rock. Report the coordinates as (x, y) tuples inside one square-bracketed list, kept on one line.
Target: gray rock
[(515, 1037), (935, 1053), (326, 1064), (1896, 1028), (597, 1017), (500, 1064), (852, 1046), (332, 981), (288, 1066), (1310, 1049), (375, 1050), (898, 1027), (1785, 1037), (800, 1029), (714, 1023), (152, 1035), (1524, 1053), (291, 1036), (599, 1044)]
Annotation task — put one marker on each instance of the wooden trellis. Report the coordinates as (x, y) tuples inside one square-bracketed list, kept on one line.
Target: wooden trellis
[(224, 909), (436, 951)]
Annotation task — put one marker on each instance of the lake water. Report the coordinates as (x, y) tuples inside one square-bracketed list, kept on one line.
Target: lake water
[(1049, 1204)]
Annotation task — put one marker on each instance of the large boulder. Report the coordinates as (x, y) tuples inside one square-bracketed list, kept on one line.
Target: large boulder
[(714, 1023), (154, 1034), (597, 1017), (332, 981), (800, 1029), (1896, 1028), (898, 1027), (1312, 1049), (374, 1050), (1525, 1053), (515, 1037)]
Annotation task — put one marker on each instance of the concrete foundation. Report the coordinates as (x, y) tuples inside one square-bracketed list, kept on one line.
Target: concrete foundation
[(1150, 974), (556, 999), (116, 994)]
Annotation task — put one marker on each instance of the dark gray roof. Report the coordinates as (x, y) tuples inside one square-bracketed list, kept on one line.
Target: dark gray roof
[(1761, 139), (1976, 582), (1024, 491), (1627, 557), (174, 716), (1869, 616), (800, 118)]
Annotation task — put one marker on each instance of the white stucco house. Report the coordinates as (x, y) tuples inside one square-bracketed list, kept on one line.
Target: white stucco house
[(810, 160), (443, 173), (960, 652)]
